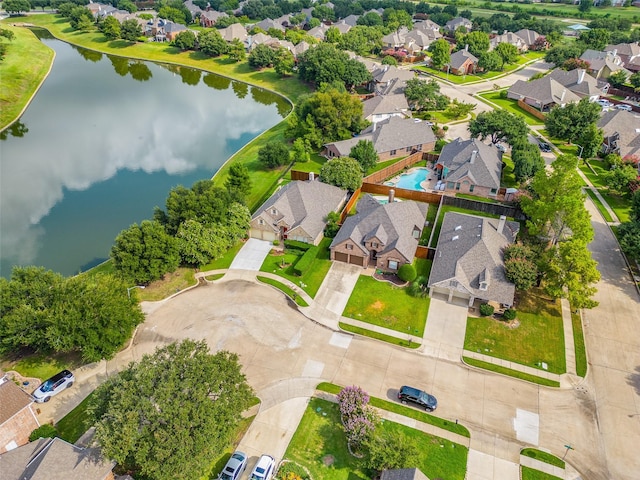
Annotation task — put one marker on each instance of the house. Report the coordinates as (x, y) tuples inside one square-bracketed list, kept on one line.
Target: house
[(342, 27), (351, 20), (542, 94), (462, 63), (55, 459), (455, 23), (579, 83), (417, 41), (530, 37), (234, 31), (385, 236), (169, 30), (268, 23), (300, 48), (100, 10), (468, 262), (381, 107), (17, 416), (388, 79), (194, 10), (297, 211), (510, 38), (627, 52), (602, 64), (209, 18), (403, 474), (431, 28), (318, 32), (392, 138), (395, 39), (621, 132), (470, 166)]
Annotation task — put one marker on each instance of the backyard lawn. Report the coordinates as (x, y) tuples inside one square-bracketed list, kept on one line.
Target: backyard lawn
[(73, 425), (510, 106), (319, 444), (283, 265), (538, 338), (385, 305)]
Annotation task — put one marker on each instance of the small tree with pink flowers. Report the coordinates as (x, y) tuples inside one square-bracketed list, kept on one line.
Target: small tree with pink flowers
[(358, 418)]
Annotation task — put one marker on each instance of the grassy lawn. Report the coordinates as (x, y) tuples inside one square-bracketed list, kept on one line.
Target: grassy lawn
[(423, 266), (172, 283), (621, 205), (385, 305), (73, 425), (431, 218), (511, 373), (538, 338), (313, 165), (224, 261), (543, 457), (531, 474), (511, 106), (284, 289), (320, 437), (603, 211), (40, 365), (578, 342), (378, 336), (23, 69), (310, 282), (508, 175)]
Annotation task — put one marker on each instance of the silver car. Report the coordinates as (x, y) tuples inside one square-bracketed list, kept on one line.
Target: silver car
[(53, 386), (264, 468), (234, 467)]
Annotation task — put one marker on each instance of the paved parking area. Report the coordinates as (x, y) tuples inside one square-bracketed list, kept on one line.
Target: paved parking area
[(251, 256), (337, 286)]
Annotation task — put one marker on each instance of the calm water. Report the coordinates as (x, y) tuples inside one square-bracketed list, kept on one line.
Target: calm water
[(412, 181), (103, 142)]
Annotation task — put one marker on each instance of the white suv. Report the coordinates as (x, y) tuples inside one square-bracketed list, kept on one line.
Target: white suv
[(54, 386), (264, 468)]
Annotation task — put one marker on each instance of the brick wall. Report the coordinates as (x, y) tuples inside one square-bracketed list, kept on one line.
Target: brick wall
[(18, 428)]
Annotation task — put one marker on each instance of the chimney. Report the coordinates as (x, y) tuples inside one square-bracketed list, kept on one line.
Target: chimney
[(312, 176), (501, 223), (474, 154), (563, 94), (581, 73), (392, 195), (466, 47)]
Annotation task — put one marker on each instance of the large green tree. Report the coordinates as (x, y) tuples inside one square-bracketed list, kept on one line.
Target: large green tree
[(343, 172), (508, 52), (169, 414), (391, 449), (326, 64), (130, 30), (570, 121), (262, 56), (500, 125), (110, 27), (477, 43), (211, 42), (185, 40), (273, 154), (238, 183), (16, 6), (527, 160), (144, 253), (440, 53), (198, 244), (425, 95), (365, 153), (491, 61)]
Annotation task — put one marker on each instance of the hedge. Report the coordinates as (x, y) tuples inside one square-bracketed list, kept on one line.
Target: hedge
[(296, 245), (305, 261)]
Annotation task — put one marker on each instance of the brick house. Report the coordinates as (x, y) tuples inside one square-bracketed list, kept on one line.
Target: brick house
[(17, 416), (462, 63)]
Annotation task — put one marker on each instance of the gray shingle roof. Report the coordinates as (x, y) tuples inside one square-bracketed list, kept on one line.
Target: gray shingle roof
[(392, 224), (484, 168), (12, 399), (460, 57), (577, 80), (455, 23), (403, 474), (627, 125), (303, 204), (545, 90), (528, 36), (470, 250), (381, 104)]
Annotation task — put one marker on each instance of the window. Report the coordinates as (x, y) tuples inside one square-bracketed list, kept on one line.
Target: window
[(393, 265), (260, 222), (458, 186), (408, 149), (349, 247), (416, 233), (471, 187), (494, 191), (374, 245), (419, 147), (449, 184), (392, 152), (274, 211)]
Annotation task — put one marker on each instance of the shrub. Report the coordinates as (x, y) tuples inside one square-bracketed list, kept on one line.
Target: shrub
[(440, 144), (292, 471), (407, 273), (509, 314), (276, 243), (418, 288), (296, 245), (305, 261), (486, 310), (43, 431)]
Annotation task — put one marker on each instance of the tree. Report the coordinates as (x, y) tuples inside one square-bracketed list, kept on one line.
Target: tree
[(440, 53), (527, 160), (370, 19), (64, 9), (283, 61), (332, 35), (273, 155), (618, 79), (596, 38), (508, 52), (500, 125), (174, 14), (365, 153), (127, 5), (332, 226), (391, 449), (425, 95), (130, 30), (143, 253), (326, 64), (238, 183), (521, 272), (628, 234), (619, 179), (198, 244), (211, 43), (16, 6), (459, 109), (590, 139), (237, 53), (478, 43), (355, 73), (81, 18), (343, 172), (573, 63), (570, 121), (635, 80), (169, 414), (389, 60), (43, 431), (262, 56), (491, 61), (110, 27), (362, 40), (585, 5), (560, 53), (300, 151), (185, 40), (407, 273)]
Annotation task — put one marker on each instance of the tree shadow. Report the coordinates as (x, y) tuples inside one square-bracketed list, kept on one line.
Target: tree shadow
[(633, 379)]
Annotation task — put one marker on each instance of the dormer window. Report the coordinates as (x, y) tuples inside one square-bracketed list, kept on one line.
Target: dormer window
[(484, 286), (274, 211), (260, 221)]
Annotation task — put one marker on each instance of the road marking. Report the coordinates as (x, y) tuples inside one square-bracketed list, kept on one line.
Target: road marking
[(526, 425)]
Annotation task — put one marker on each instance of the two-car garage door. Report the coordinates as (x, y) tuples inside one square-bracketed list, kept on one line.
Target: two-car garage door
[(352, 259)]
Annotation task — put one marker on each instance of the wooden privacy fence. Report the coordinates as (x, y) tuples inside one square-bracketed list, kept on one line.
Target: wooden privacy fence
[(349, 205), (381, 175), (426, 197), (533, 111), (425, 252), (483, 207)]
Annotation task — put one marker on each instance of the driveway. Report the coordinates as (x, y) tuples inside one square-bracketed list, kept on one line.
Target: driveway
[(252, 254), (445, 330), (337, 286)]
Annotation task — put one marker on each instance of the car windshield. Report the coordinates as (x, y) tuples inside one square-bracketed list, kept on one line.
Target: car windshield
[(255, 476), (225, 475), (47, 386), (424, 397)]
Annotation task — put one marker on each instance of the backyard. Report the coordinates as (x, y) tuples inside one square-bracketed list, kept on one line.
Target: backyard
[(319, 444), (510, 106), (538, 336)]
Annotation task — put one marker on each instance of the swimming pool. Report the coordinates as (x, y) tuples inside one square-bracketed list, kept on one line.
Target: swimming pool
[(412, 180)]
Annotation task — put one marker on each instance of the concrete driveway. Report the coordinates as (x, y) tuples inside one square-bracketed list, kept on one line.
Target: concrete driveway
[(252, 254), (445, 330), (337, 286)]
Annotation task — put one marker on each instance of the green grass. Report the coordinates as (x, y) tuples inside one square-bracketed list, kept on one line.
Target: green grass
[(320, 434), (171, 283), (312, 279), (510, 106), (603, 211), (213, 278), (621, 205), (531, 474), (218, 464), (41, 366), (508, 175), (224, 261), (579, 346), (75, 423), (539, 338), (431, 218), (378, 336), (543, 457), (511, 373), (313, 165), (422, 266), (385, 305), (284, 289), (21, 72), (476, 198)]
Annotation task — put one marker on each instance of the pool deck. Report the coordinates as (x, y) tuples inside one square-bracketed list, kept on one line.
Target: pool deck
[(427, 185)]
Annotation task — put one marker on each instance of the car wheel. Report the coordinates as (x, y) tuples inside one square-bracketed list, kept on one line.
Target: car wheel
[(404, 402), (46, 399), (69, 385), (428, 409)]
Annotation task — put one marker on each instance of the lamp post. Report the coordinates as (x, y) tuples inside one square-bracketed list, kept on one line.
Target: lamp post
[(131, 288), (581, 149), (568, 447)]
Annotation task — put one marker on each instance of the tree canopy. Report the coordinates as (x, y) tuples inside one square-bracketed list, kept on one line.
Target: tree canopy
[(326, 64), (273, 155), (500, 125), (343, 172), (169, 414), (425, 95), (570, 121), (440, 53), (365, 153)]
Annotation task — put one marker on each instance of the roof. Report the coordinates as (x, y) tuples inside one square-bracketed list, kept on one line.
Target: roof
[(403, 474), (459, 58), (302, 204), (213, 15), (484, 168), (386, 73), (627, 49), (578, 26), (268, 23), (470, 251), (625, 124), (529, 37), (576, 80), (507, 37), (545, 90), (381, 104), (54, 459), (12, 399), (235, 30), (598, 60), (392, 224), (457, 22)]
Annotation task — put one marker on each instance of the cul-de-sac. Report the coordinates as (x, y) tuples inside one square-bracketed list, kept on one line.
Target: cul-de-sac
[(319, 240)]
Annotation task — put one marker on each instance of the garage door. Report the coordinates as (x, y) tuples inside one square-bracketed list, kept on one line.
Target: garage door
[(356, 260), (263, 235), (341, 257)]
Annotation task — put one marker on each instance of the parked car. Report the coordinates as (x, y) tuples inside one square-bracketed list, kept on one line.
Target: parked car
[(544, 147), (501, 148), (264, 468), (234, 467), (604, 103), (623, 106), (422, 399), (53, 386)]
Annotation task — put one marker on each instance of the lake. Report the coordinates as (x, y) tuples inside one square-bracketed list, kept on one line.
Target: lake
[(102, 144)]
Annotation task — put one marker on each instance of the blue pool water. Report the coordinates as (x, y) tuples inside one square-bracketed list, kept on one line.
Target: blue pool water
[(411, 181)]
